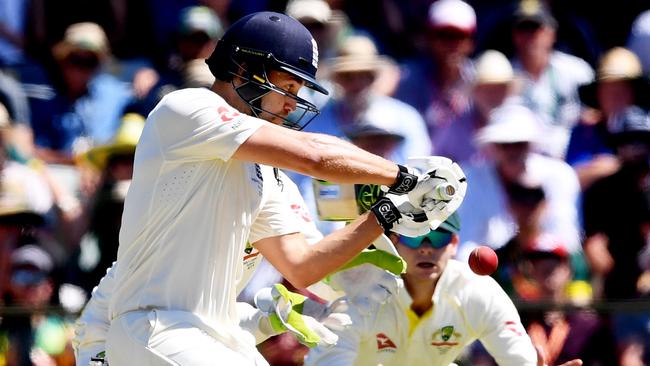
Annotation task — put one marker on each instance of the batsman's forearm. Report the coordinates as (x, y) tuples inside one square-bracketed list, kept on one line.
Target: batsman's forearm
[(343, 162), (334, 250)]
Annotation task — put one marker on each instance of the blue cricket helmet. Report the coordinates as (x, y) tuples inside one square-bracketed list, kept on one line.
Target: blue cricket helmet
[(264, 41)]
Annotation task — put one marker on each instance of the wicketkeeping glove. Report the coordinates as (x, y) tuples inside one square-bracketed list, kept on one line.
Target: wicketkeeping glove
[(306, 319), (369, 279)]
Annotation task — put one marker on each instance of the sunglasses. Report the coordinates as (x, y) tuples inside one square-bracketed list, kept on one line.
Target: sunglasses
[(436, 238)]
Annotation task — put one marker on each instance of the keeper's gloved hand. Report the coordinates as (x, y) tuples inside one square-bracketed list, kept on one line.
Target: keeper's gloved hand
[(369, 279), (308, 320)]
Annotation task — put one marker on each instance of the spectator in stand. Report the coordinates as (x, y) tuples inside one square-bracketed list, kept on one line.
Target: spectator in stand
[(639, 39), (83, 105), (544, 273), (37, 337), (550, 77), (618, 85), (509, 141), (438, 85), (329, 28), (24, 202), (355, 71), (197, 33), (494, 83), (356, 103), (613, 241)]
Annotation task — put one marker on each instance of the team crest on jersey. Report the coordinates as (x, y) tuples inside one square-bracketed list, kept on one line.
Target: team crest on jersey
[(385, 344), (445, 337), (250, 256)]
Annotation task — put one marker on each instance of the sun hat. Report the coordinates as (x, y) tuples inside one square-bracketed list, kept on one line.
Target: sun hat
[(84, 36), (124, 142), (357, 54), (615, 65), (509, 123), (493, 67)]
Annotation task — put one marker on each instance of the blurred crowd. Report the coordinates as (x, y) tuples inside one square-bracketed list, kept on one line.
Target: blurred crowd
[(545, 104)]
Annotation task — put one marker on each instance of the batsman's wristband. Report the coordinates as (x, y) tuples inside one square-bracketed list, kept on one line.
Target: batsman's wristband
[(404, 182), (386, 213)]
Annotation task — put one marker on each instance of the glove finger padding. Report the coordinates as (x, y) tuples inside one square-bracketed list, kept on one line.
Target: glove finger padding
[(289, 311), (437, 209)]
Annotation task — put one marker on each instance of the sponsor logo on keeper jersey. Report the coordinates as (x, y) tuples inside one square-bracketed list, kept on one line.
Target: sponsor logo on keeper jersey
[(445, 337), (385, 344)]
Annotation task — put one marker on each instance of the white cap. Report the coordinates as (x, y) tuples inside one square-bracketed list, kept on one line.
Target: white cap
[(306, 10), (454, 14), (509, 123), (493, 67), (639, 40)]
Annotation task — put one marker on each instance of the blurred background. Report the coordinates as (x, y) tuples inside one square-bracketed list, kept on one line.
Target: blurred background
[(545, 104)]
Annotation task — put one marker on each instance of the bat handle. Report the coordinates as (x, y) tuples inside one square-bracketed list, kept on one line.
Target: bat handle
[(443, 192)]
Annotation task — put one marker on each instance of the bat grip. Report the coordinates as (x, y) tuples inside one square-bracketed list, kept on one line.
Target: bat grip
[(443, 192)]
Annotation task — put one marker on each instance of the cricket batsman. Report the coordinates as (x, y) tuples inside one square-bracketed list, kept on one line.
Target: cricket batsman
[(205, 185)]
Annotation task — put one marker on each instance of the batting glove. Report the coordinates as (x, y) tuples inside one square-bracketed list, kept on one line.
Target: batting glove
[(395, 213), (369, 280), (309, 321), (440, 190)]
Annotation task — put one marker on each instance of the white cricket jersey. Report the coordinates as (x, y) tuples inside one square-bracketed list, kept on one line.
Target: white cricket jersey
[(466, 307), (191, 210)]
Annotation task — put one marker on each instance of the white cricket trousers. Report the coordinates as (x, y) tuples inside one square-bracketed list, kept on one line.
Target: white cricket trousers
[(163, 337)]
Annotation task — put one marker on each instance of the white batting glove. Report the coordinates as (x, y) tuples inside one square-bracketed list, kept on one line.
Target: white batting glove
[(395, 213), (440, 190), (309, 321)]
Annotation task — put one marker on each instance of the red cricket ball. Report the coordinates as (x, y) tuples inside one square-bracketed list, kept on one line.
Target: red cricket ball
[(483, 261)]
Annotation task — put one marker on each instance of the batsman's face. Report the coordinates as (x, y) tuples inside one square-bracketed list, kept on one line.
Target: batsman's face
[(276, 103)]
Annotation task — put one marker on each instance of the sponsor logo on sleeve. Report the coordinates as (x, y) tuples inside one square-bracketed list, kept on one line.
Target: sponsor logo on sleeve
[(301, 212), (514, 327)]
